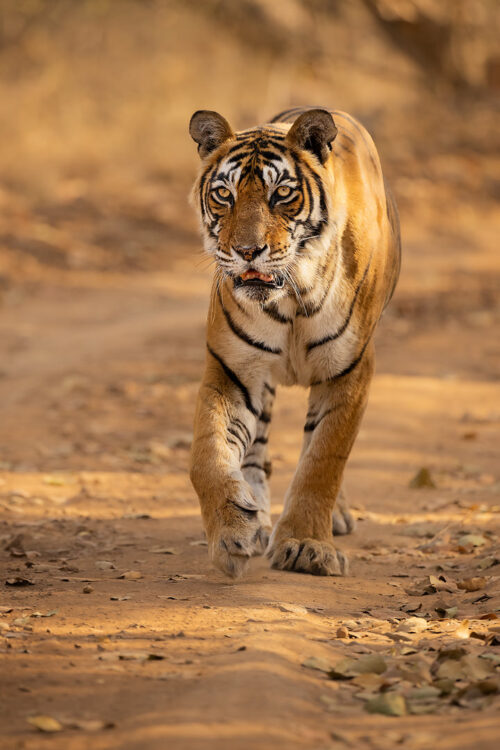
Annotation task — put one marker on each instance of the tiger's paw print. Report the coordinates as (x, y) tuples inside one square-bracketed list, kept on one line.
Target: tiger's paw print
[(308, 556), (240, 536)]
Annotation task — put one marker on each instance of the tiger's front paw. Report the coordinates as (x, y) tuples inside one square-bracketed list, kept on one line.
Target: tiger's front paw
[(239, 534), (308, 556)]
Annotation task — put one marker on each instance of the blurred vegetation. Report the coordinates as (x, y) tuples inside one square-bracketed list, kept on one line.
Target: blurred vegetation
[(97, 95)]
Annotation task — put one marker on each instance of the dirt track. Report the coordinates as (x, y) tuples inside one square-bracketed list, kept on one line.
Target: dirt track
[(99, 376)]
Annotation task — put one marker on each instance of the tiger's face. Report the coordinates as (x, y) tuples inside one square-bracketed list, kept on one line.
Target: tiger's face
[(261, 200)]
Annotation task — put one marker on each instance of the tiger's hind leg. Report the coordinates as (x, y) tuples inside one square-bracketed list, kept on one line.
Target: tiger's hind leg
[(256, 467), (343, 522)]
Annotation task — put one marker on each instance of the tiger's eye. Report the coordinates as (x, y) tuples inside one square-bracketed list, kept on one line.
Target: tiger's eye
[(222, 192), (284, 191)]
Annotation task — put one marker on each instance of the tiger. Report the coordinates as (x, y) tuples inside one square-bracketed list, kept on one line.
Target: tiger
[(304, 235)]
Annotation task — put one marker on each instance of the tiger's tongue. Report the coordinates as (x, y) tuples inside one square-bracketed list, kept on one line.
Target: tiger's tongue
[(255, 275)]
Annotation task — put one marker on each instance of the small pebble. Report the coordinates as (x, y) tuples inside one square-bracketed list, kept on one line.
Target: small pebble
[(342, 633), (87, 589)]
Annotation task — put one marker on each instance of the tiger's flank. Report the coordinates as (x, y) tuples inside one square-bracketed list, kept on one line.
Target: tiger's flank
[(305, 237)]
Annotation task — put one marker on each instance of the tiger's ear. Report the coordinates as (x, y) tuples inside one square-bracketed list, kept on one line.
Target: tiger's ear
[(313, 131), (209, 130)]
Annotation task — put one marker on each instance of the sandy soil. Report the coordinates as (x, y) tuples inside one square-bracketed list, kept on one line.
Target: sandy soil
[(99, 373)]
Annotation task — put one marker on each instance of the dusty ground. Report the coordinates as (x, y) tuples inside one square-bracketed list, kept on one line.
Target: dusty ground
[(99, 371)]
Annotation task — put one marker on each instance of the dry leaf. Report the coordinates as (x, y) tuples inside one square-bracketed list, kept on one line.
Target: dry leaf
[(342, 632), (139, 656), (347, 668), (413, 625), (472, 540), (463, 629), (45, 723), (104, 565), (472, 584), (389, 704), (131, 575), (322, 665), (88, 725), (296, 609), (422, 479), (19, 581), (164, 551), (51, 613), (54, 481)]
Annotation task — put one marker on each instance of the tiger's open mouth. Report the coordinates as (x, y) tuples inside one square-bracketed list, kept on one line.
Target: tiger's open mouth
[(256, 278)]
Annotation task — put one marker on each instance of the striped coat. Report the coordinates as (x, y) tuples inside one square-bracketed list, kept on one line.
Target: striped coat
[(305, 237)]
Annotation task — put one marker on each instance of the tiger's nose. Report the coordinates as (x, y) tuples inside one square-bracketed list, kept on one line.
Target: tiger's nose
[(249, 252)]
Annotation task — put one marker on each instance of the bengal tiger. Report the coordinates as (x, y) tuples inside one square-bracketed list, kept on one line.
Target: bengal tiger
[(304, 233)]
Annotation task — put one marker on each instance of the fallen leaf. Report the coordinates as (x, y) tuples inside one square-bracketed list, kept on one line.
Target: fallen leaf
[(487, 562), (410, 608), (342, 632), (472, 540), (21, 621), (413, 625), (45, 723), (463, 629), (347, 668), (389, 704), (51, 613), (104, 565), (164, 551), (296, 609), (139, 656), (472, 584), (16, 546), (54, 481), (131, 575), (88, 725), (322, 665), (19, 581), (422, 479)]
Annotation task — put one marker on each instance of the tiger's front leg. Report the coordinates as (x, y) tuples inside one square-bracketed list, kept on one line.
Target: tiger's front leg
[(302, 540), (227, 423)]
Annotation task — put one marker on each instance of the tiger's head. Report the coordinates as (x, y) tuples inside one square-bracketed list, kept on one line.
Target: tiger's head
[(263, 198)]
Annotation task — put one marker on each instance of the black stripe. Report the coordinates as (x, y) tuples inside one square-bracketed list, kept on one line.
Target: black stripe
[(237, 382), (313, 310), (269, 388), (242, 334), (265, 417), (243, 428), (275, 315), (340, 331), (262, 440), (311, 426), (253, 466), (350, 367), (237, 445), (238, 437)]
